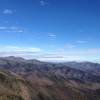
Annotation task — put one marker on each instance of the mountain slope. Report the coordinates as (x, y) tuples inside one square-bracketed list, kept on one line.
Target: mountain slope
[(22, 79)]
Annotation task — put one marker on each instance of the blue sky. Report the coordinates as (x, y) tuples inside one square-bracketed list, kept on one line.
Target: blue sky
[(50, 30)]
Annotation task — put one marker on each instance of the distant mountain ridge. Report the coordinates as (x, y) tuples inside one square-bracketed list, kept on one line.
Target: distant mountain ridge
[(89, 67), (85, 66)]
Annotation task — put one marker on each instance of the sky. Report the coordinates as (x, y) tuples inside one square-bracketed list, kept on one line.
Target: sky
[(50, 30)]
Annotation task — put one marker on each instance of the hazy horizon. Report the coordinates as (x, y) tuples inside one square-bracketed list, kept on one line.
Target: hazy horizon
[(50, 30)]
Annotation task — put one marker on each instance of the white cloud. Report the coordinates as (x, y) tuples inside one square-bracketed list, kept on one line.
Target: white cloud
[(7, 11), (3, 28), (38, 53), (25, 52), (43, 3), (11, 29), (74, 55), (69, 46), (19, 49), (51, 36), (81, 42), (60, 59)]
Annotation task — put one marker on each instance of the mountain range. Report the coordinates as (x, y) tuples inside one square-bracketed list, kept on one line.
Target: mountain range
[(22, 79)]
